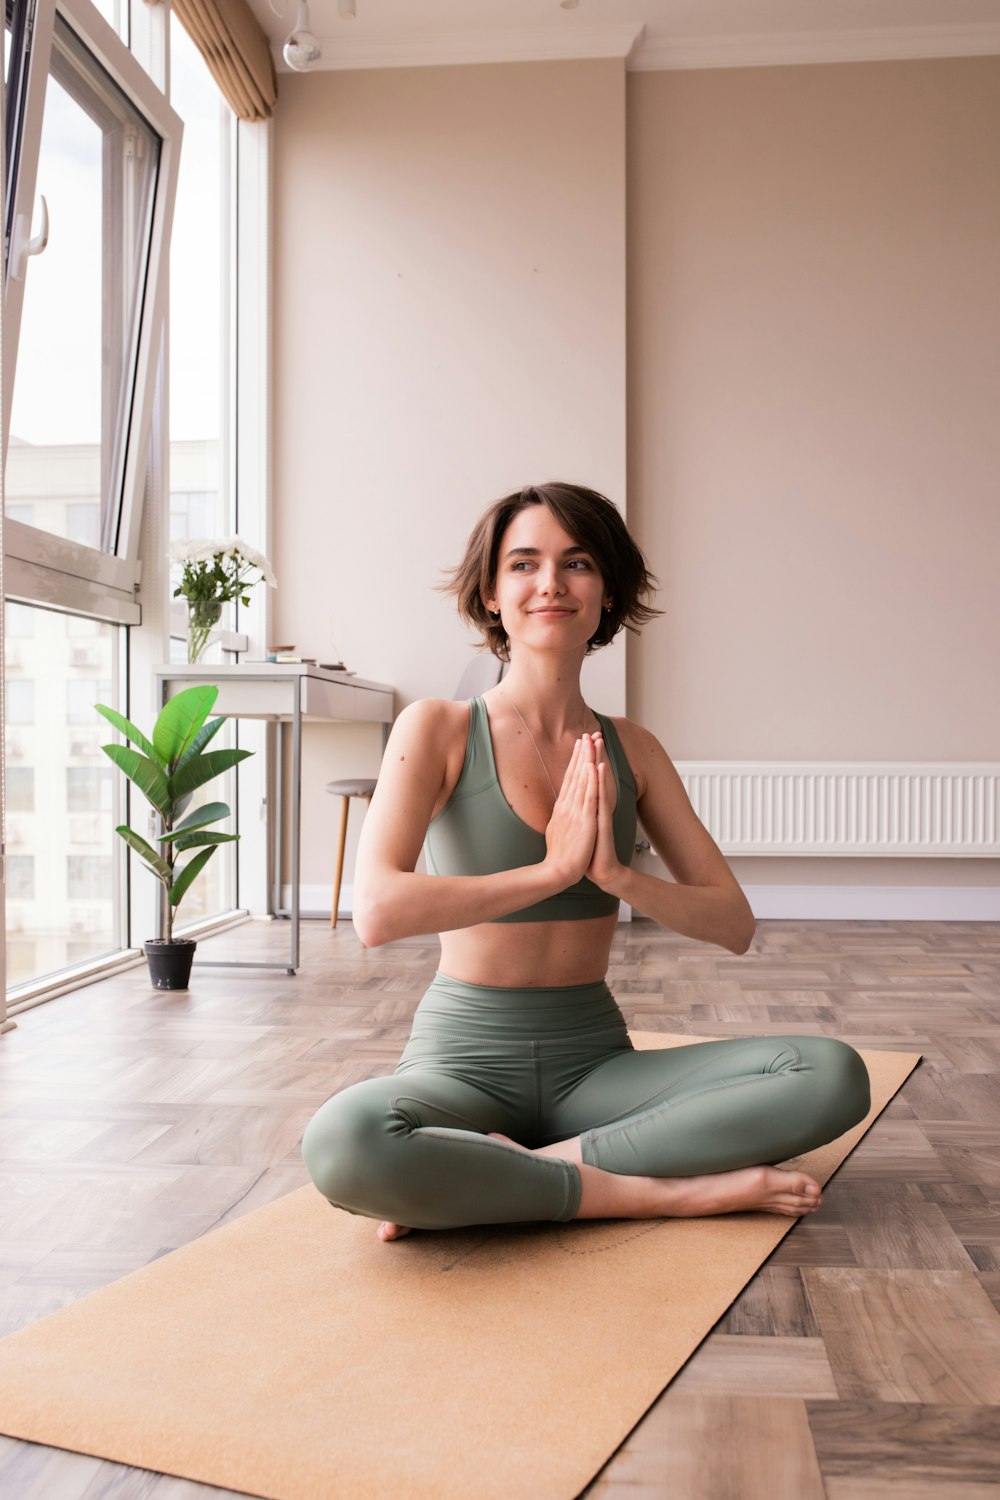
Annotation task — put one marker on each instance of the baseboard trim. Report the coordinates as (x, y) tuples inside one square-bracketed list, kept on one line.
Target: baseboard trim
[(875, 903)]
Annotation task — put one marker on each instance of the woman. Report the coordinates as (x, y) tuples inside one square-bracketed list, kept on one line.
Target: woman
[(519, 1096)]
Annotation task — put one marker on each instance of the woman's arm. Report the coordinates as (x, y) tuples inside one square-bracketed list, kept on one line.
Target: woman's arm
[(391, 900), (706, 902)]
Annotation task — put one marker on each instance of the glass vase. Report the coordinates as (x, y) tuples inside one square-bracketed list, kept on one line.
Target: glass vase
[(203, 616)]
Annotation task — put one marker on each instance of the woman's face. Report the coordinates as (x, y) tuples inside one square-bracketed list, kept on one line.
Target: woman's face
[(549, 589)]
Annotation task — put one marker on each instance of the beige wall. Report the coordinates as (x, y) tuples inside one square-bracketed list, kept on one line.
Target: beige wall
[(449, 324), (813, 314), (814, 444)]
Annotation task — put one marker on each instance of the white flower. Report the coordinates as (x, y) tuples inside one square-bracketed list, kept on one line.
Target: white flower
[(203, 559), (231, 548)]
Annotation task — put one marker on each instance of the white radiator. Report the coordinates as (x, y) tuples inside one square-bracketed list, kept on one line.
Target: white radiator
[(758, 807)]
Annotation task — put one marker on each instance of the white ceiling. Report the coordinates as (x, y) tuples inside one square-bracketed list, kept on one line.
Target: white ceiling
[(650, 33)]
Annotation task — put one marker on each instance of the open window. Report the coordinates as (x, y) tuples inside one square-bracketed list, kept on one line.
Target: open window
[(92, 151)]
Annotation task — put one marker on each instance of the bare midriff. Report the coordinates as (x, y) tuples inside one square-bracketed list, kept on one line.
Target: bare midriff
[(529, 955)]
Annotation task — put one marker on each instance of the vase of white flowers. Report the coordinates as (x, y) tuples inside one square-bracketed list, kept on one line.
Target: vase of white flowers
[(213, 572)]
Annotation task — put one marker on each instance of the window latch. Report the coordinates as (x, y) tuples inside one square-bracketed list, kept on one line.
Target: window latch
[(24, 245)]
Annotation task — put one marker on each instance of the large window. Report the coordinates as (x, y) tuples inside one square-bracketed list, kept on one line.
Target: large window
[(201, 285), (92, 433), (97, 172), (91, 166), (65, 893), (91, 170), (202, 488)]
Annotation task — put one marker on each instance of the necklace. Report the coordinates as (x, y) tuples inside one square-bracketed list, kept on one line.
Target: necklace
[(531, 737)]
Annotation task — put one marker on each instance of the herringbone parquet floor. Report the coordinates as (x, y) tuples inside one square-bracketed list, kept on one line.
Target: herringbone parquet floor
[(864, 1359)]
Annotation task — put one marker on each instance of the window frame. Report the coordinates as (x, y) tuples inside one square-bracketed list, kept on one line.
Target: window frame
[(42, 568), (41, 583)]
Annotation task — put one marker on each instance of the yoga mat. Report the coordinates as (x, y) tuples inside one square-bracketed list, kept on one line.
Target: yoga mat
[(291, 1355)]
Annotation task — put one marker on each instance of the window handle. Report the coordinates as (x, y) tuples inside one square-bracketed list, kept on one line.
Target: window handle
[(24, 245)]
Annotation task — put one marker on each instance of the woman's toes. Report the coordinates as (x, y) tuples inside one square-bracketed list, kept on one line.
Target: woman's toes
[(387, 1231)]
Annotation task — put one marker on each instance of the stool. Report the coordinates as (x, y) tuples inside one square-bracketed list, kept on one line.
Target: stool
[(345, 790)]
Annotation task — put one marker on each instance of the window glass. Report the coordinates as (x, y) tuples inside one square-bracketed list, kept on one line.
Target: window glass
[(21, 876), (88, 876), (20, 621), (20, 789), (193, 512), (20, 702), (88, 788), (201, 500), (81, 625), (84, 691), (76, 356), (202, 495), (116, 13), (83, 522), (64, 797)]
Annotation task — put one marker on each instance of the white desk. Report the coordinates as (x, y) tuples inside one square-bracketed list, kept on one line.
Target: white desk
[(284, 692)]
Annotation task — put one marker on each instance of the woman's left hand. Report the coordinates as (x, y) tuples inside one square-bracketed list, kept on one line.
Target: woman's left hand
[(605, 867)]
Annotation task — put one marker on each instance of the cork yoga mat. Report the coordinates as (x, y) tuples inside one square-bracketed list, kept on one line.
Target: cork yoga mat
[(292, 1355)]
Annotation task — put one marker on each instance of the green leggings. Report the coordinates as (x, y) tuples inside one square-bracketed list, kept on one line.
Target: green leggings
[(543, 1065)]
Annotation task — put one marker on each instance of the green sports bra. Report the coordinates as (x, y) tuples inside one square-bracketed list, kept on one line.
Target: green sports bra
[(477, 832)]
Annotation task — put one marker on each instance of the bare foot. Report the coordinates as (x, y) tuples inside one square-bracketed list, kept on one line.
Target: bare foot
[(769, 1190), (387, 1231)]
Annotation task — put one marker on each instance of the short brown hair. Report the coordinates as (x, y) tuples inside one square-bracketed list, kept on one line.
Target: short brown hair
[(590, 519)]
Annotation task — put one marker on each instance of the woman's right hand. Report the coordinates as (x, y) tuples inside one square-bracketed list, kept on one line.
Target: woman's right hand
[(572, 829)]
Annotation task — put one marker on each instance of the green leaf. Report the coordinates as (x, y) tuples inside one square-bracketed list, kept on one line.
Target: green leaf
[(207, 766), (193, 840), (201, 739), (190, 870), (156, 864), (148, 777), (129, 731), (181, 806), (211, 812), (180, 719)]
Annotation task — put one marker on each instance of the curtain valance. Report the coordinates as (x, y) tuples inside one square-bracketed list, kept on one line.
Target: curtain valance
[(229, 38)]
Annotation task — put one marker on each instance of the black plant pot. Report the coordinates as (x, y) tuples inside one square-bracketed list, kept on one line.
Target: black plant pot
[(169, 963)]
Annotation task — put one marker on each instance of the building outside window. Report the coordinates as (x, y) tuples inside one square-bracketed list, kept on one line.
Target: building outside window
[(202, 492), (55, 767), (88, 788), (20, 782), (100, 142)]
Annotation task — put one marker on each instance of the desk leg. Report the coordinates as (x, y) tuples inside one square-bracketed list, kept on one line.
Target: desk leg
[(277, 815), (296, 820)]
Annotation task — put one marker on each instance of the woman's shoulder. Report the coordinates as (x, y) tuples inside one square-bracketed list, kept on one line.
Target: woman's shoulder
[(630, 733), (433, 716), (432, 726), (642, 749), (431, 734)]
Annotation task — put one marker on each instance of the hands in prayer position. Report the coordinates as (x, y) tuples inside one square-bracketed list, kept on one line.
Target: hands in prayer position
[(580, 837)]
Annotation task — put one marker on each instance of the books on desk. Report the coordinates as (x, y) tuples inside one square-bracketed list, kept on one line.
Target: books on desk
[(285, 658)]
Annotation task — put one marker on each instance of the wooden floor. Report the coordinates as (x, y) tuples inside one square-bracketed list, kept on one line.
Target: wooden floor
[(864, 1359)]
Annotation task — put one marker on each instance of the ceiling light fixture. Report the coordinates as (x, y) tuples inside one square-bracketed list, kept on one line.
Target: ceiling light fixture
[(347, 9), (302, 49)]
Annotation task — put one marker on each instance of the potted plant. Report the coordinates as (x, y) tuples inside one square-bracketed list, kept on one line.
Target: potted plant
[(168, 769)]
